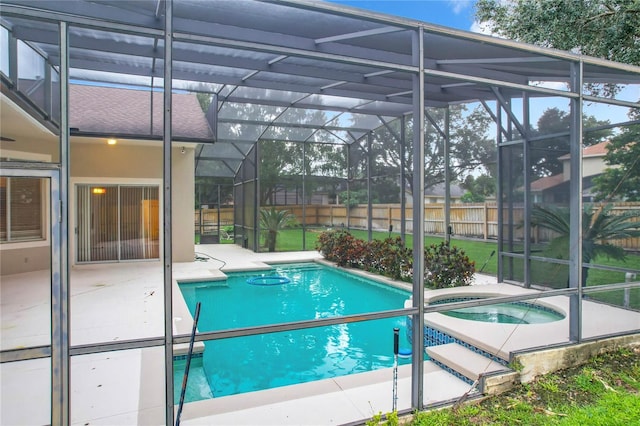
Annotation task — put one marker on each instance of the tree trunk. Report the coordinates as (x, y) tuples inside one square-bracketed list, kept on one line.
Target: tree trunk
[(271, 240)]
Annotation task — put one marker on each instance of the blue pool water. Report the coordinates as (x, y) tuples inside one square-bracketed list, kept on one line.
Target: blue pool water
[(246, 364), (503, 313)]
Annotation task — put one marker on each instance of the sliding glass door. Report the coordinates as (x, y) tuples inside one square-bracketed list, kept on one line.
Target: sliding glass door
[(117, 223)]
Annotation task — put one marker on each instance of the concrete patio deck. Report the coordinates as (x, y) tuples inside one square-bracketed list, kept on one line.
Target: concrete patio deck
[(111, 302)]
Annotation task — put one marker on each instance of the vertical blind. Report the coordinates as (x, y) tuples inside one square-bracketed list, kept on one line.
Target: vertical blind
[(117, 223), (21, 209)]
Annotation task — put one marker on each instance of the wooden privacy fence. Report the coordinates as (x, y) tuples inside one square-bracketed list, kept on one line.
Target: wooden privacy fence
[(471, 220)]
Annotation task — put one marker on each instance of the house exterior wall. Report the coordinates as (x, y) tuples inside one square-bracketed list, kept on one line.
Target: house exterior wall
[(138, 163), (182, 205), (19, 257), (593, 166), (99, 163), (590, 166), (25, 257)]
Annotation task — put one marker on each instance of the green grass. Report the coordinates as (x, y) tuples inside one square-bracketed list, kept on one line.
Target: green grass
[(605, 391)]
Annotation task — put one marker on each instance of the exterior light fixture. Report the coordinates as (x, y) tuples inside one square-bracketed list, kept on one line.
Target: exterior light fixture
[(111, 141), (99, 191)]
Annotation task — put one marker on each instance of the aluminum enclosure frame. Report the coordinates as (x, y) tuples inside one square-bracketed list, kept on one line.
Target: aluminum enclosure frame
[(421, 80)]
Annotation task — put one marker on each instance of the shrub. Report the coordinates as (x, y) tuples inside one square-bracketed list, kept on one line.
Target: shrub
[(389, 257), (447, 266), (341, 247)]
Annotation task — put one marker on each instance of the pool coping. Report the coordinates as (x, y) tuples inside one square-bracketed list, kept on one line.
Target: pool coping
[(353, 399)]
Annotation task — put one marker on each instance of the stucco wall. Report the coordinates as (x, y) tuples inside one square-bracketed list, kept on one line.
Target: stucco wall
[(182, 205), (19, 259), (139, 163)]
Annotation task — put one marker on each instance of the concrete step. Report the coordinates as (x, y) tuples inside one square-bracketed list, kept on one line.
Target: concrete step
[(463, 360)]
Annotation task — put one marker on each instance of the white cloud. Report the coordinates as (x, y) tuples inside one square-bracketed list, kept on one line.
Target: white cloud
[(457, 6), (557, 85), (485, 28)]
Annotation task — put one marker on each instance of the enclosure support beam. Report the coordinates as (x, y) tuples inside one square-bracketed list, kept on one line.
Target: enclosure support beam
[(166, 183), (403, 177), (417, 320), (447, 177), (304, 195), (435, 125), (369, 206), (13, 59), (348, 204), (60, 363), (257, 154), (575, 206), (507, 108), (527, 192), (506, 195), (493, 116), (499, 191)]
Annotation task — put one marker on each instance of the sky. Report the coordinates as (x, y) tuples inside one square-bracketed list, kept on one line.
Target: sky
[(460, 14), (450, 13)]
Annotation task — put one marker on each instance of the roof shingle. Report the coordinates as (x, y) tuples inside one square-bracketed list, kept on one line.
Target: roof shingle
[(112, 110)]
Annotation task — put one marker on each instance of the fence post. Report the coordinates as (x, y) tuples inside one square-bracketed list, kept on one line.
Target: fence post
[(486, 221)]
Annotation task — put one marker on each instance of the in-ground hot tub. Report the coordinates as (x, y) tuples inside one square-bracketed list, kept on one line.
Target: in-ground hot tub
[(502, 313)]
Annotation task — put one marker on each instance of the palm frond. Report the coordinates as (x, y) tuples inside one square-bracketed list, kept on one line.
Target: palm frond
[(599, 227)]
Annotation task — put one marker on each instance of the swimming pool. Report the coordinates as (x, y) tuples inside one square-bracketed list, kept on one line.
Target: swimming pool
[(246, 364)]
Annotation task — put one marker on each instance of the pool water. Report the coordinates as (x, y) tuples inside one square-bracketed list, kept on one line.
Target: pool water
[(198, 386), (507, 313), (246, 364)]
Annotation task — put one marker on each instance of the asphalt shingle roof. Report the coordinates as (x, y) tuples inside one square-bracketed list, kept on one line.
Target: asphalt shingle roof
[(117, 111)]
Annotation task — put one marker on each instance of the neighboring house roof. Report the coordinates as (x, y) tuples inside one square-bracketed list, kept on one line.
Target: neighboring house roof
[(597, 150), (437, 190), (547, 182), (117, 111)]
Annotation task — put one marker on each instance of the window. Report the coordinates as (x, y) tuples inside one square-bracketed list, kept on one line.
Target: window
[(117, 223), (4, 51), (21, 215)]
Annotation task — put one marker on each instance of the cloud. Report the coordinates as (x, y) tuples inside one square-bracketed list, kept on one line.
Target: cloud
[(483, 28), (457, 6), (557, 85)]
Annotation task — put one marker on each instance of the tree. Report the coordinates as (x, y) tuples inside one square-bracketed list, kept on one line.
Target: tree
[(599, 227), (471, 148), (622, 178), (283, 163), (271, 222), (204, 99), (478, 188), (607, 29), (545, 155)]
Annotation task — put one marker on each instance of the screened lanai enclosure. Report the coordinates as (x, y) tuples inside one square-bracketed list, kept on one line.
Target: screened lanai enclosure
[(122, 119)]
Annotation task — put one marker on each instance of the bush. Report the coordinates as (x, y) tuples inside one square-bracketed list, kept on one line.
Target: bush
[(341, 247), (389, 257), (445, 266)]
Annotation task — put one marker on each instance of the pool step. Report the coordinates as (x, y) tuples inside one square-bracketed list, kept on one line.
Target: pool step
[(464, 361)]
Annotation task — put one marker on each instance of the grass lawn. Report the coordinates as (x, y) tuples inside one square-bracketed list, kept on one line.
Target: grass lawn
[(605, 391)]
